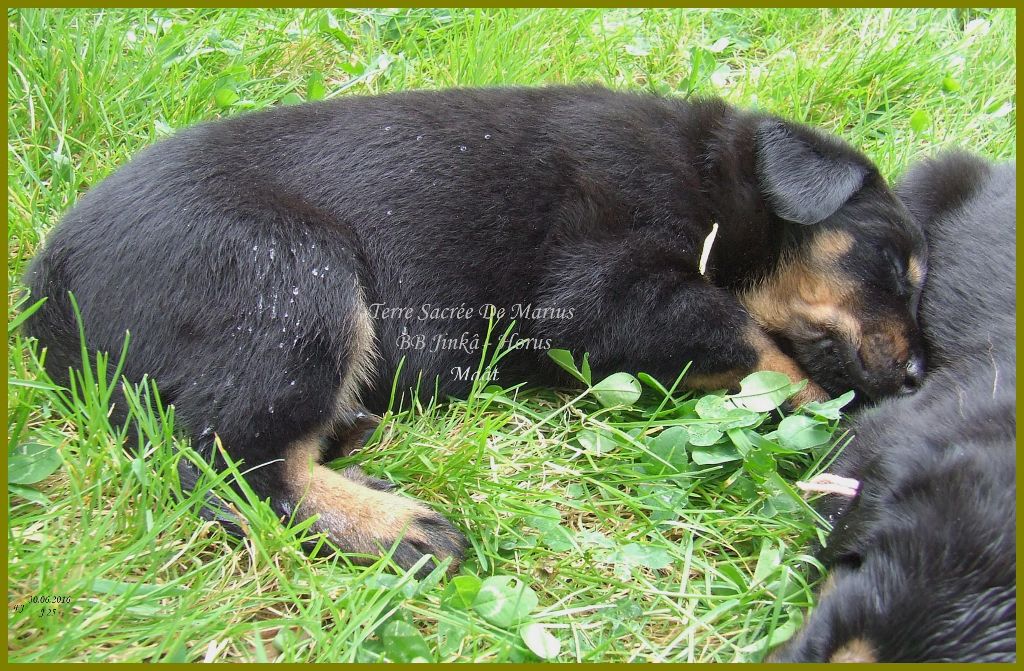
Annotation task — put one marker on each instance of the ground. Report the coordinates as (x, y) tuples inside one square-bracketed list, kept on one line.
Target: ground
[(636, 529)]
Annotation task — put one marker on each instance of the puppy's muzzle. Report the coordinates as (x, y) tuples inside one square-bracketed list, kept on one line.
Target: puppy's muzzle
[(878, 373)]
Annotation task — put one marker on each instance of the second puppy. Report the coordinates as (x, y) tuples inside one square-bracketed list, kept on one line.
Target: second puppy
[(922, 560)]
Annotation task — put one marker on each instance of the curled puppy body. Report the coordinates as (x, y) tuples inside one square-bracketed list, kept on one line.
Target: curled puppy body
[(922, 560), (275, 269)]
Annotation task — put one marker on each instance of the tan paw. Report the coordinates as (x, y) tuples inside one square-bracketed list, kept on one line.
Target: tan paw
[(359, 516), (811, 392)]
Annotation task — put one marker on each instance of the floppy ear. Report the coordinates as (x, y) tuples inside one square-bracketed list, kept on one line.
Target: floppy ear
[(803, 182)]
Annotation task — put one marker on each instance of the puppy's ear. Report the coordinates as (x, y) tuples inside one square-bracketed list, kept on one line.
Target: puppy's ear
[(937, 185), (805, 178)]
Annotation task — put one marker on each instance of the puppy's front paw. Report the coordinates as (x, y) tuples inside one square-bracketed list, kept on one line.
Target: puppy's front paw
[(811, 392)]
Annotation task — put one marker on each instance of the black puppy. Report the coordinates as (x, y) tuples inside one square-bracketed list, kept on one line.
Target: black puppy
[(274, 269), (922, 560)]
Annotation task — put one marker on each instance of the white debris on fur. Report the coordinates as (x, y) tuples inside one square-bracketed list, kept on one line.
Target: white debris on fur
[(705, 253), (827, 483)]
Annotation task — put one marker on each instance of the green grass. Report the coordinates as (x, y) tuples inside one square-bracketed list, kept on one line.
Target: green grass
[(631, 559)]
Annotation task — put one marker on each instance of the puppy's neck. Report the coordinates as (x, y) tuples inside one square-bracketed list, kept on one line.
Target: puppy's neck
[(750, 240)]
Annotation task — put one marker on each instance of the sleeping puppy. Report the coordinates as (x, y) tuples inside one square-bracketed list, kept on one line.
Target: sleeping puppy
[(922, 559), (275, 269)]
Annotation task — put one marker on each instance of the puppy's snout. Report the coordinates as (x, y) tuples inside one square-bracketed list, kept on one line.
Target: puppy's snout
[(886, 366), (914, 375)]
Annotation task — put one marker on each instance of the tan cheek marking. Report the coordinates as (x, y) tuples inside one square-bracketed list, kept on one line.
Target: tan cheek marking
[(769, 301), (764, 307), (856, 650), (831, 245), (795, 291)]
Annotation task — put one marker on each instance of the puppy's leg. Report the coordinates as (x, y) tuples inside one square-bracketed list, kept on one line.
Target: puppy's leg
[(278, 347), (638, 305), (355, 512), (835, 630), (349, 433), (770, 357), (358, 517)]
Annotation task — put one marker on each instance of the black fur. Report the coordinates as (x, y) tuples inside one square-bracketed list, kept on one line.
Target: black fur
[(923, 560), (240, 254)]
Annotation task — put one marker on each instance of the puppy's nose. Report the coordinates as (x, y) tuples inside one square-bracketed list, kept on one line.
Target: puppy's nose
[(914, 375)]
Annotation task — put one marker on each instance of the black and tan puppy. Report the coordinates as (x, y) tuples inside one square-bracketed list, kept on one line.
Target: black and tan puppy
[(922, 560), (273, 269)]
